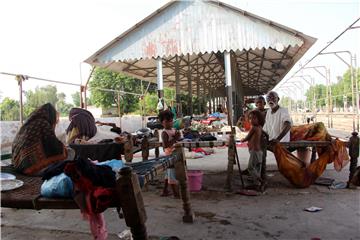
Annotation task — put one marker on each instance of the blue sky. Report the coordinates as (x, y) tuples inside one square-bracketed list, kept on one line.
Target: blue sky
[(50, 39)]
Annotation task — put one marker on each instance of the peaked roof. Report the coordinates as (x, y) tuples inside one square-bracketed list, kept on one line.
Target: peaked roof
[(196, 33)]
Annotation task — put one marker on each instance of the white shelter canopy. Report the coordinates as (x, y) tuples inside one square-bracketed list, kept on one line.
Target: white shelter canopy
[(191, 37)]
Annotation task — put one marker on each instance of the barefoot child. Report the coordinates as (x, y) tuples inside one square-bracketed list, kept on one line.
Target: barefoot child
[(254, 139), (169, 137)]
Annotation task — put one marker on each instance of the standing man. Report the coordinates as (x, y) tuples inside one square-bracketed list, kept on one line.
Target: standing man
[(277, 120)]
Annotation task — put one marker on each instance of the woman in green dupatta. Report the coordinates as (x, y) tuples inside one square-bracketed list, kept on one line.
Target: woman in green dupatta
[(35, 145)]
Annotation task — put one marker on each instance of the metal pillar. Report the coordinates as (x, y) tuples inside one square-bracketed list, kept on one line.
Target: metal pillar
[(352, 79), (20, 79), (177, 88), (198, 94), (357, 93), (330, 99), (228, 86), (326, 76), (190, 105), (160, 81)]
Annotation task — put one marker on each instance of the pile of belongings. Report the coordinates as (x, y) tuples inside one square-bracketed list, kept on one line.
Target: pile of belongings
[(194, 136), (295, 170), (90, 184), (141, 133), (198, 126), (102, 148), (215, 120), (199, 153), (238, 133), (154, 123)]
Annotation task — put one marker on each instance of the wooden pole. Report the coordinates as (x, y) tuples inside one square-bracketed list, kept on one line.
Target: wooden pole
[(145, 148), (131, 202), (231, 162), (354, 154), (156, 135), (181, 176), (20, 80), (128, 149)]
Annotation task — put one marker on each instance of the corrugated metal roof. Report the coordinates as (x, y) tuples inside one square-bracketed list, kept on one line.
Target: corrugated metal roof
[(188, 27), (199, 32)]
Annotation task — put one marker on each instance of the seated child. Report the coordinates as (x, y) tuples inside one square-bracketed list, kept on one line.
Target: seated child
[(254, 139), (169, 137)]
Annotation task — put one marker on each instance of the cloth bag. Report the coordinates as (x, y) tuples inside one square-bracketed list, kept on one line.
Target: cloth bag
[(58, 186)]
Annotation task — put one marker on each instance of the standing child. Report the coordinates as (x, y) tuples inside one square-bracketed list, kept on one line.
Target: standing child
[(169, 137), (254, 139)]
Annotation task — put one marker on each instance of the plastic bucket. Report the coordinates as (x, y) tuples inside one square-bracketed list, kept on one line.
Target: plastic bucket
[(195, 180)]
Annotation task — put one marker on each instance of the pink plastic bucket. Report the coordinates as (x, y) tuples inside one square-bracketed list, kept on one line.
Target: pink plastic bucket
[(195, 180)]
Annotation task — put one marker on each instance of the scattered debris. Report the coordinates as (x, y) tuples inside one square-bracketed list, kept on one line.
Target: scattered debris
[(338, 185), (313, 209), (324, 181), (125, 235), (247, 192)]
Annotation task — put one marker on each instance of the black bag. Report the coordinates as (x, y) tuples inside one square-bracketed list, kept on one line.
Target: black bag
[(207, 137)]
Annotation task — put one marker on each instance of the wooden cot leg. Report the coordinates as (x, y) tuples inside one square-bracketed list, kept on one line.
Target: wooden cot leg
[(128, 149), (231, 162), (181, 176), (354, 154), (156, 135), (313, 154), (145, 148), (263, 170), (132, 204)]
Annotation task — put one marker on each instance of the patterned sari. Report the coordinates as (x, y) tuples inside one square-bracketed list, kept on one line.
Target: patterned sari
[(35, 145)]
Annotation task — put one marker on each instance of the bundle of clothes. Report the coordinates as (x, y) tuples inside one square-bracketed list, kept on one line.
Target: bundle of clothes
[(90, 184)]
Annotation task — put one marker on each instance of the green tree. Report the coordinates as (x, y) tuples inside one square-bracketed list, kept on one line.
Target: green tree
[(151, 100), (9, 110), (40, 96), (288, 103), (105, 79), (62, 107), (320, 95), (339, 91), (76, 99)]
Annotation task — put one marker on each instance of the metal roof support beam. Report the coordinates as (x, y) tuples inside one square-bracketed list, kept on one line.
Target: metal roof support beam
[(261, 65), (198, 95)]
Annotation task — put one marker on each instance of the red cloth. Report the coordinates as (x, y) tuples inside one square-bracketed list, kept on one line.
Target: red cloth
[(200, 150), (205, 122), (242, 145), (247, 125), (92, 200)]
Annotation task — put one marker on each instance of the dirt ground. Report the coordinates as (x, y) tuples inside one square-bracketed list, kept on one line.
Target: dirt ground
[(276, 214)]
